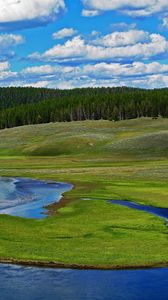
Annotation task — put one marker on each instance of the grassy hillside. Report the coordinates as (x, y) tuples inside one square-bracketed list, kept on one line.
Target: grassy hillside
[(104, 160), (138, 138)]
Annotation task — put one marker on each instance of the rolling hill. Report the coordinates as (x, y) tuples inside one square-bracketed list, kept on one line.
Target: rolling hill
[(138, 138)]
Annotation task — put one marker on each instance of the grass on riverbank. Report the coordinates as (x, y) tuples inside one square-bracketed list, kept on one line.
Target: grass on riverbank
[(124, 160)]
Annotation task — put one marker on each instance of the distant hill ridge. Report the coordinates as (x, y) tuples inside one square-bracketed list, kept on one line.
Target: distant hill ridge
[(27, 105)]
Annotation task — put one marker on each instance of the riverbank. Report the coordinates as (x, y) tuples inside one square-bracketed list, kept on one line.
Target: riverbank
[(58, 265)]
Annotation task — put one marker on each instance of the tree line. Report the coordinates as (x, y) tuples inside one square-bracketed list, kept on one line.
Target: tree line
[(14, 96), (35, 106)]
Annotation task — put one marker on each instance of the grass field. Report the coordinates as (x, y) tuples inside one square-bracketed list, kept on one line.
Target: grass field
[(104, 160)]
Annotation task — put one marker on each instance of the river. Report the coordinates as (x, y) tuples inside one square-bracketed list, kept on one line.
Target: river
[(22, 283)]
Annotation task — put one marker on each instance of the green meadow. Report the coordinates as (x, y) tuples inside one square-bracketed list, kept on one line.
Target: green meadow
[(104, 160)]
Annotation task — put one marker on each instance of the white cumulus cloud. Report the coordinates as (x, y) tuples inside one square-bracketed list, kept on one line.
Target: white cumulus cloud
[(8, 40), (134, 8), (111, 70), (90, 13), (124, 38), (165, 22), (7, 43), (117, 46), (64, 33), (5, 72), (4, 66), (25, 10)]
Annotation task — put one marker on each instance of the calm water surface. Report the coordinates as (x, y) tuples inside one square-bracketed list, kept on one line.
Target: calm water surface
[(20, 283), (24, 197)]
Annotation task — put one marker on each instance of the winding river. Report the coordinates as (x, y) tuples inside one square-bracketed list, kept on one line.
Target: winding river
[(27, 198)]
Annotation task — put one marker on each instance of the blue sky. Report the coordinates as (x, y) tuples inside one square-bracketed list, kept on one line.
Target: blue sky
[(67, 44)]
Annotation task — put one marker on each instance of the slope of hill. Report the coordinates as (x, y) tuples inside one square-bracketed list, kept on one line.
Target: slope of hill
[(139, 138)]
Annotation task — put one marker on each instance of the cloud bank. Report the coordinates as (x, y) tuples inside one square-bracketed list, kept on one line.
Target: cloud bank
[(130, 45), (134, 8), (136, 74)]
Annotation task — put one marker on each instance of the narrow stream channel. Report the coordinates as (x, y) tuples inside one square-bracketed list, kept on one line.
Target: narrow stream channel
[(157, 211)]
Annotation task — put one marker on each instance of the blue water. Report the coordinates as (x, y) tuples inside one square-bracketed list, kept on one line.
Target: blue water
[(24, 197), (157, 211), (20, 283)]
